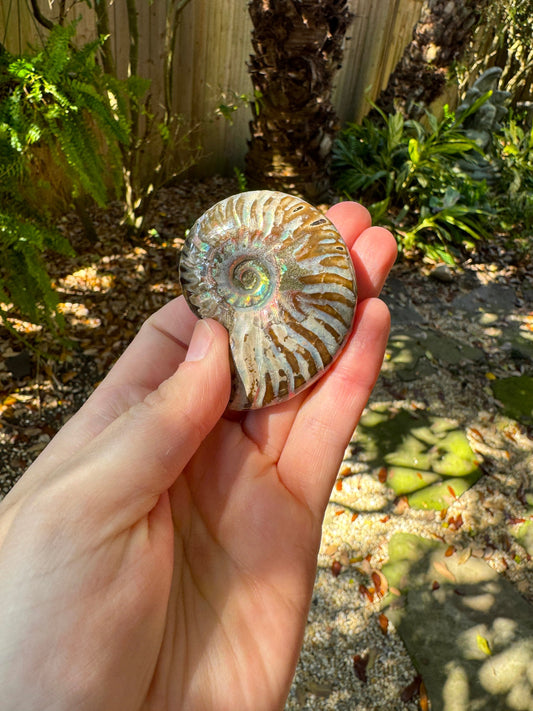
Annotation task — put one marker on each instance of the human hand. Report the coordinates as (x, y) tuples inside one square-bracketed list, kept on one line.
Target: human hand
[(161, 556)]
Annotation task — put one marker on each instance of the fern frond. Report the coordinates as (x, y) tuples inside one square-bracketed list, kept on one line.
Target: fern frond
[(24, 280)]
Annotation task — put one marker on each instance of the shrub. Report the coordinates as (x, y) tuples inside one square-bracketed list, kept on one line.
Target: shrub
[(56, 101), (409, 175), (514, 146), (61, 99)]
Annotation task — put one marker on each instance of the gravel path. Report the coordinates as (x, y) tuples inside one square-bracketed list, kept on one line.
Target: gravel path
[(446, 348)]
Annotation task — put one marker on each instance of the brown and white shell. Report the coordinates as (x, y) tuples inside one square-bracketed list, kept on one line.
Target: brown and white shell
[(277, 274)]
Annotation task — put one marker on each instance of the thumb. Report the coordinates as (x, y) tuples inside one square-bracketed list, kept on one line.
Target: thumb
[(141, 454)]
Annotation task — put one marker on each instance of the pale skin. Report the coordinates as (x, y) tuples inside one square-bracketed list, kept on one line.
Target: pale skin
[(160, 555)]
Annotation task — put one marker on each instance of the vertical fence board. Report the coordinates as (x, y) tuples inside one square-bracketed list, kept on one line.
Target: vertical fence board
[(212, 51), (18, 27), (376, 39), (216, 73)]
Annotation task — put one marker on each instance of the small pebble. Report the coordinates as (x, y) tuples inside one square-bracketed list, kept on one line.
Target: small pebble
[(442, 273)]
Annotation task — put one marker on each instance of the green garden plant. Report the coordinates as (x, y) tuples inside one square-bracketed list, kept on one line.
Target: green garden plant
[(514, 147), (56, 105), (60, 99), (160, 144), (407, 172)]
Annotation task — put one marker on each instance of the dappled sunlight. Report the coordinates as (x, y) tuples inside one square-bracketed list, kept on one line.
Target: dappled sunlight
[(435, 385), (366, 660), (78, 315), (106, 291), (24, 328), (424, 457), (435, 436), (510, 672), (468, 630), (87, 279)]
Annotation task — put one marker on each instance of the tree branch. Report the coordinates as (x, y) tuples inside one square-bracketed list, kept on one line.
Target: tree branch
[(41, 19), (134, 36), (102, 27)]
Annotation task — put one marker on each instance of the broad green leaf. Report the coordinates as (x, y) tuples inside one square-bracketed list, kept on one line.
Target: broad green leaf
[(395, 131), (414, 152)]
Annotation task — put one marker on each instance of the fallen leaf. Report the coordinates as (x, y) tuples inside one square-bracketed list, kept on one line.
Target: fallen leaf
[(381, 584), (66, 377), (443, 569), (365, 592), (476, 434), (483, 644), (383, 623), (360, 663), (463, 556), (9, 401), (320, 690), (336, 568), (424, 700), (411, 689)]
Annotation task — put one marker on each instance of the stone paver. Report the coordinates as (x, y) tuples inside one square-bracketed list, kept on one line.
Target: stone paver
[(468, 631), (465, 626)]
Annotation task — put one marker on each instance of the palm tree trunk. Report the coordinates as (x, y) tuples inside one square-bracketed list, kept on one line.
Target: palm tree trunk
[(298, 47), (439, 39)]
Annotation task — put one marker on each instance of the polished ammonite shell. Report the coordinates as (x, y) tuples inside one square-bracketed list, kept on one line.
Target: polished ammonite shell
[(277, 274)]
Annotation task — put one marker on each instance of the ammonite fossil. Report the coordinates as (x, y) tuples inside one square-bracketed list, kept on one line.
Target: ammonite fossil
[(277, 274)]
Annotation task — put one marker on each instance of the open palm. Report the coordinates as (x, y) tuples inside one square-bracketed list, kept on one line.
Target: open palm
[(160, 555)]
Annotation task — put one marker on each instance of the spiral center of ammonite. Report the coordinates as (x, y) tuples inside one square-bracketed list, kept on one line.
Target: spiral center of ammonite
[(245, 276), (251, 283)]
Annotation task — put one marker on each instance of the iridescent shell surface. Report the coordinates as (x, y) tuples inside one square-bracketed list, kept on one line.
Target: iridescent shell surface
[(277, 274)]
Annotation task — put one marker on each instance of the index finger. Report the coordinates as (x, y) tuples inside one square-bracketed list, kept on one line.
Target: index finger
[(373, 251)]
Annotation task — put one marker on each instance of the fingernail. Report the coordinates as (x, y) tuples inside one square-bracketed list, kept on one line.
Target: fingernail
[(201, 340)]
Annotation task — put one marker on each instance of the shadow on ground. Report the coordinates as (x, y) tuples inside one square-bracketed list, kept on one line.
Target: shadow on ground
[(477, 651), (424, 457)]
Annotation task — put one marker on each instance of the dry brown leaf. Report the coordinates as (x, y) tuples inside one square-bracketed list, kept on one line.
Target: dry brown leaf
[(443, 569)]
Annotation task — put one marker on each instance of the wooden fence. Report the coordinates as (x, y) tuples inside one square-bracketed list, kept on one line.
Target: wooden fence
[(212, 49)]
